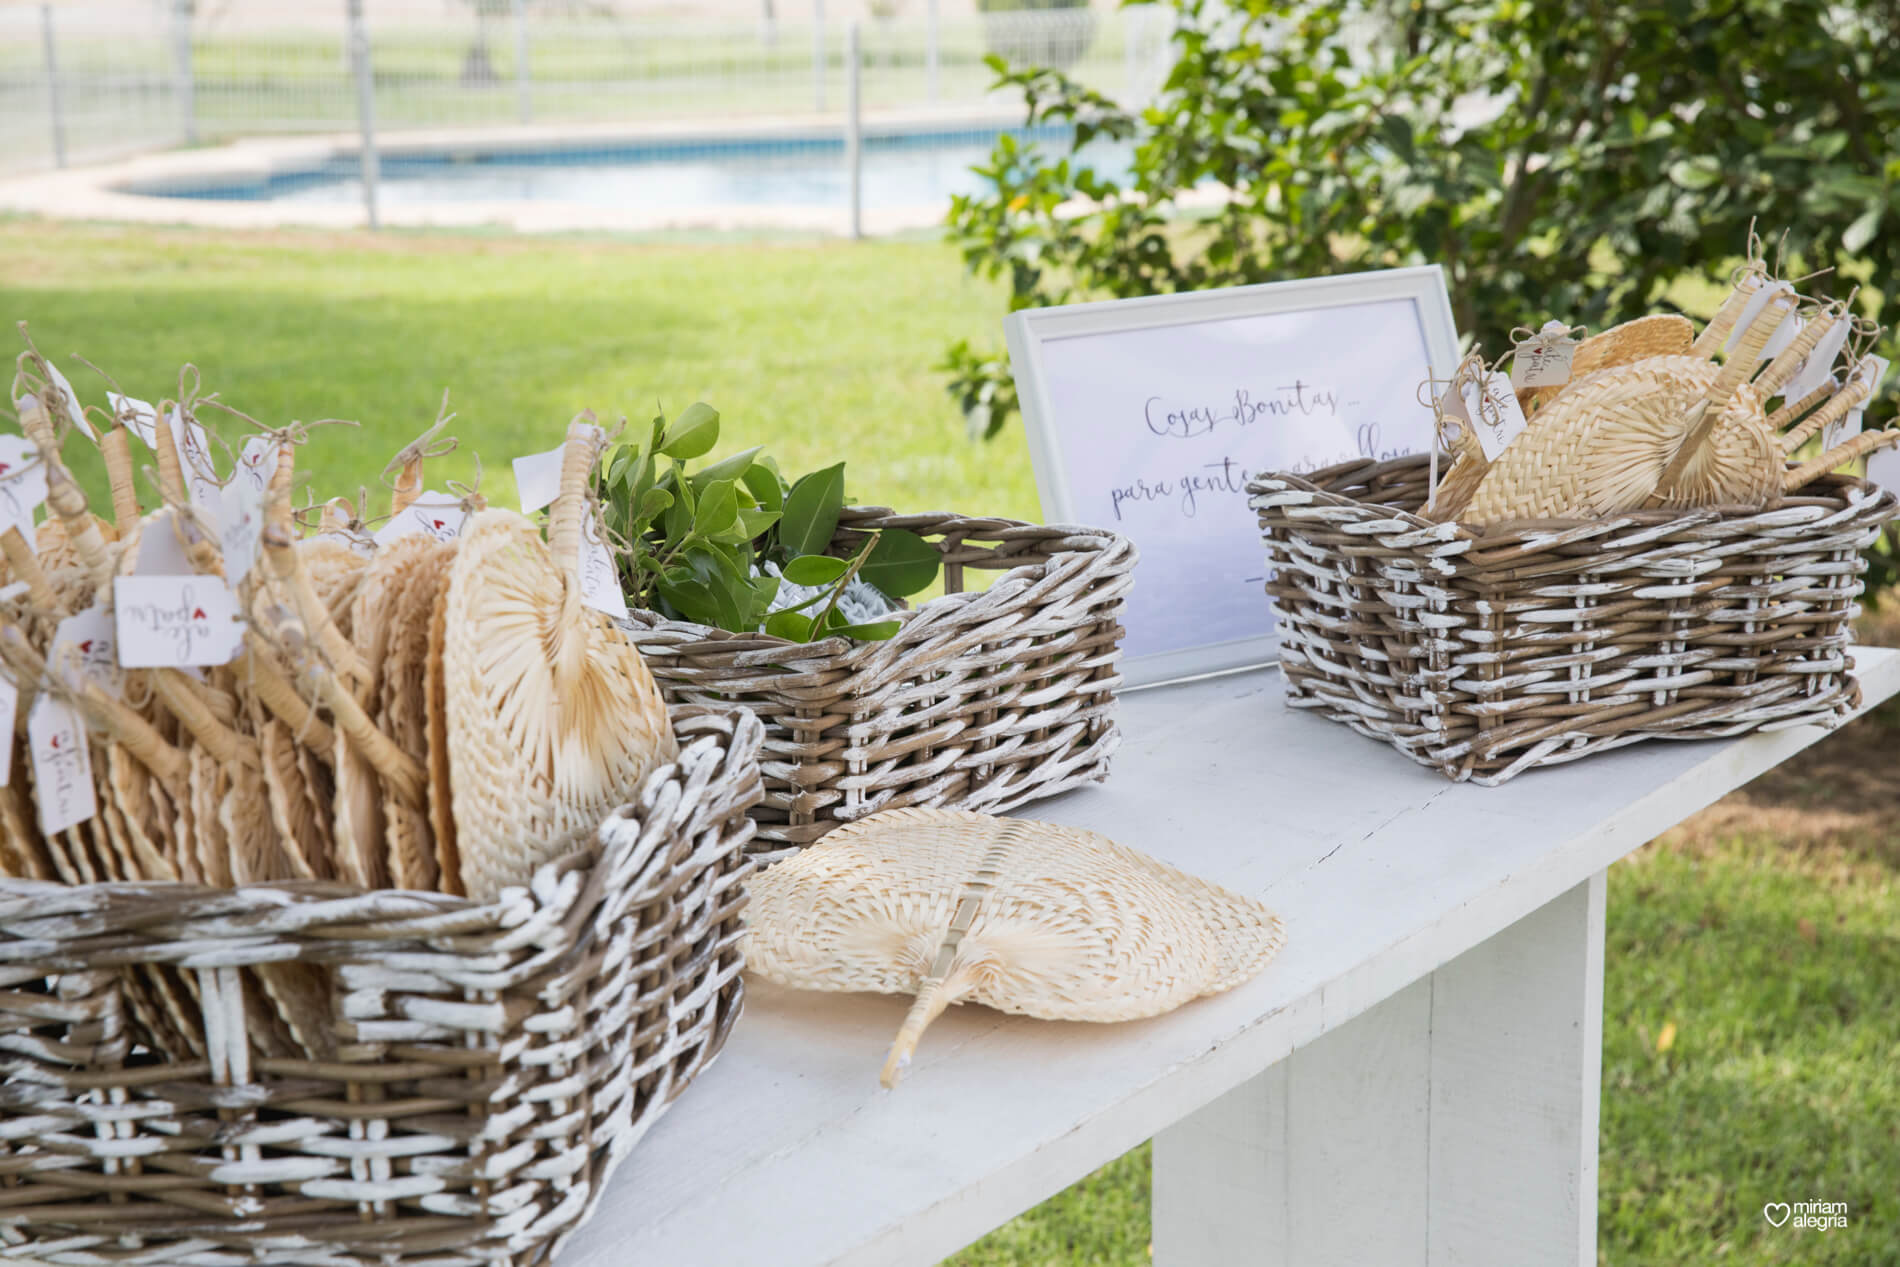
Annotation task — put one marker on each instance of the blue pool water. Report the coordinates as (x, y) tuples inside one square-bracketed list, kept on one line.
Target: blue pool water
[(900, 170)]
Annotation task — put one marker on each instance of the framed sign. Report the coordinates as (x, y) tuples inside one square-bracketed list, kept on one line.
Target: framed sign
[(1149, 416)]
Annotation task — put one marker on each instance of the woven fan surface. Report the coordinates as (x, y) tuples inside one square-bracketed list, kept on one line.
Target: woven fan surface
[(1061, 923)]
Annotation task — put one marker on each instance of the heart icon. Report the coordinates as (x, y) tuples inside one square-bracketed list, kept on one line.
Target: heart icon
[(85, 648), (198, 613), (438, 524), (1769, 1212)]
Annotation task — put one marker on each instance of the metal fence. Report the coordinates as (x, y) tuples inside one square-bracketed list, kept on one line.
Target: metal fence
[(84, 82)]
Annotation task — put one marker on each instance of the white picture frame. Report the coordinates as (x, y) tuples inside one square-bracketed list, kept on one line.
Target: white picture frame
[(1377, 336)]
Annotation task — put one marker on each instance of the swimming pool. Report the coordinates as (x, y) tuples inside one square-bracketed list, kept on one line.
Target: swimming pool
[(900, 169)]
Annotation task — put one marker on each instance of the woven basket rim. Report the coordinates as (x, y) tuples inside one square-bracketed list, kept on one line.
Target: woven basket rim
[(1074, 536), (393, 904), (1532, 530)]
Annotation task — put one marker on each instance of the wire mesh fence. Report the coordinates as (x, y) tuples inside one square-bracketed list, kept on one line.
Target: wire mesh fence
[(84, 82)]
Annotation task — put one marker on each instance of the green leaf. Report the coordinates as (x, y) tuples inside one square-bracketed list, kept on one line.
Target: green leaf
[(755, 523), (718, 509), (651, 504), (876, 631), (901, 563), (763, 483), (791, 626), (814, 569), (693, 434), (730, 468), (811, 511), (1858, 234)]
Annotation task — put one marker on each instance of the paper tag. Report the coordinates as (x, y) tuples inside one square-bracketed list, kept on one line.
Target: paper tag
[(62, 765), (436, 515), (600, 579), (22, 485), (538, 475), (1883, 468), (240, 528), (9, 705), (175, 621), (137, 414), (194, 454), (1818, 370), (73, 410), (1756, 305), (1450, 412), (1543, 360), (89, 643), (1498, 420), (257, 462), (1786, 333), (1870, 371)]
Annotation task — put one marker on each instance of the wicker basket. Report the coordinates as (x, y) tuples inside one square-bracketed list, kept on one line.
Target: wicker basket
[(1486, 653), (494, 1062), (981, 701)]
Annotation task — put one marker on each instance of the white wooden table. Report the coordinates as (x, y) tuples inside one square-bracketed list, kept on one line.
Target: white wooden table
[(1413, 1081)]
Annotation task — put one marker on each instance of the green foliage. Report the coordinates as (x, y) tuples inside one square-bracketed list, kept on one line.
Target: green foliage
[(694, 541), (1558, 160), (1017, 6)]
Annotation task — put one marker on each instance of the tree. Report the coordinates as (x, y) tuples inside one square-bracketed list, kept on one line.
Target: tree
[(1563, 160)]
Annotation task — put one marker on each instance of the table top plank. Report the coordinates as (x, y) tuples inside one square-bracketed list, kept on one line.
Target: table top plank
[(787, 1152)]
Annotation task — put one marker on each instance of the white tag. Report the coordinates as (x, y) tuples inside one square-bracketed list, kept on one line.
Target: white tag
[(1499, 420), (257, 462), (73, 410), (1818, 370), (600, 579), (1870, 371), (22, 485), (9, 705), (1787, 332), (1756, 305), (88, 642), (538, 478), (136, 414), (1883, 468), (62, 765), (538, 475), (240, 527), (1451, 412), (436, 515), (161, 553), (194, 454), (1543, 360), (175, 621)]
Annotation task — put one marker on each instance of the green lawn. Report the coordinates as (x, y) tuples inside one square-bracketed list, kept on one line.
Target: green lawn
[(1752, 1007)]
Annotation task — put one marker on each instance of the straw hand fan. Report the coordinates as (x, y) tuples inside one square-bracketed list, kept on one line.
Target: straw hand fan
[(552, 716), (1025, 917)]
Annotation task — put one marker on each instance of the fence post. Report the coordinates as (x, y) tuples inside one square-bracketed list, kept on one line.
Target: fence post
[(365, 108), (818, 55), (931, 46), (524, 73), (181, 58), (53, 103), (854, 128)]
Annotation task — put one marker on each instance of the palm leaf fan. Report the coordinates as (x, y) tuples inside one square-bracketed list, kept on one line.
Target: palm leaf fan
[(1026, 917), (552, 716)]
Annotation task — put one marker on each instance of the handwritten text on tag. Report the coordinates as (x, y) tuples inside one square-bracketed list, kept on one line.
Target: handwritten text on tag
[(240, 526), (62, 765), (257, 462), (1543, 360), (600, 579), (175, 621), (88, 643), (1496, 418), (436, 515)]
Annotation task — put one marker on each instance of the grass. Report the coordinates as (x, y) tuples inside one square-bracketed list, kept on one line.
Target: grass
[(1750, 1019), (819, 352)]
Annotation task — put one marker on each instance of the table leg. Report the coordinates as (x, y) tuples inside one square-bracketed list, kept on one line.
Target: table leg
[(1454, 1123)]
